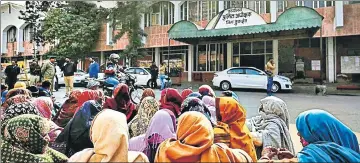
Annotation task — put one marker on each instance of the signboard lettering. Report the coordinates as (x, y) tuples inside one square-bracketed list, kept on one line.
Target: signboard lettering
[(237, 17)]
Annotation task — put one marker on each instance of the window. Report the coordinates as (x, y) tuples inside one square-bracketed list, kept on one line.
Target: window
[(27, 33), (162, 14), (210, 57), (252, 54), (236, 71), (199, 10), (176, 58), (315, 4), (245, 48), (259, 7), (258, 47), (252, 72), (11, 34), (282, 6), (140, 71), (130, 71)]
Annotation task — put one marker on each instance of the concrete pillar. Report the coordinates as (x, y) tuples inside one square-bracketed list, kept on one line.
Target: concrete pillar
[(330, 63), (273, 10), (102, 58), (221, 5), (20, 41), (157, 56), (276, 55), (229, 54), (176, 11), (339, 14), (190, 61), (41, 60), (142, 25)]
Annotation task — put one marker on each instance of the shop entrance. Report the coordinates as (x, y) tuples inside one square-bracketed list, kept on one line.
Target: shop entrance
[(257, 61)]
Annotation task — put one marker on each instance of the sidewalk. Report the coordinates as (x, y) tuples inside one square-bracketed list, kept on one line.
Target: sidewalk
[(296, 140)]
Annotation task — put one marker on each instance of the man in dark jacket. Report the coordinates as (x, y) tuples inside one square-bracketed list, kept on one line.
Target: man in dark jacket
[(35, 71), (154, 70), (12, 71), (69, 69)]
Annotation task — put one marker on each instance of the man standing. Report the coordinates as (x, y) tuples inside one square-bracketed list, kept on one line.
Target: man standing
[(270, 71), (12, 71), (93, 69), (154, 70), (48, 71), (35, 71), (69, 69)]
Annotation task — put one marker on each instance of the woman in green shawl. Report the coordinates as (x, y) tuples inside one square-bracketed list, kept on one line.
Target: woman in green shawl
[(26, 140)]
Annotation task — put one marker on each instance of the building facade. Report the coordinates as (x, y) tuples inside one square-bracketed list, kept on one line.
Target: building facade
[(340, 33)]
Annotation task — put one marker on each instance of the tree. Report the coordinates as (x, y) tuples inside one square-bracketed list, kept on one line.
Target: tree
[(33, 15), (74, 28), (127, 16)]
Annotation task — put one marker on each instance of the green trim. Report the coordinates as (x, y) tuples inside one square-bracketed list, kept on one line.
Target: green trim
[(296, 18)]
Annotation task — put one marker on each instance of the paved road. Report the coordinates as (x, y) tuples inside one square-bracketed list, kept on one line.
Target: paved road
[(345, 108)]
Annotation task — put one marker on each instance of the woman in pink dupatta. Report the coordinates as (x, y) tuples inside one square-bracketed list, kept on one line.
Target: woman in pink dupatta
[(45, 105), (161, 127)]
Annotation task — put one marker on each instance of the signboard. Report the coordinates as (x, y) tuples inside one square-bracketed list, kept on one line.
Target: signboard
[(315, 65), (239, 17), (350, 64)]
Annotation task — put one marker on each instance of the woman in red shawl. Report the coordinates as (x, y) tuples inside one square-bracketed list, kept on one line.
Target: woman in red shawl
[(186, 93), (171, 100), (121, 102), (76, 99)]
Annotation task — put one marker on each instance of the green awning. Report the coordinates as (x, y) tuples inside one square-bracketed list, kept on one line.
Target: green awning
[(296, 22)]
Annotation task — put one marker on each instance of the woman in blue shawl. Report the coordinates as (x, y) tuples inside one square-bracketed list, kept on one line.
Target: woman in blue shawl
[(325, 139)]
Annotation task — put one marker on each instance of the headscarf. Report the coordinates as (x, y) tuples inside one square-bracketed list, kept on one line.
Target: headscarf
[(18, 91), (24, 141), (21, 85), (121, 102), (195, 94), (148, 92), (171, 100), (206, 90), (76, 133), (44, 106), (15, 100), (232, 116), (185, 93), (109, 135), (92, 83), (140, 123), (231, 94), (161, 128), (3, 95), (272, 125), (330, 140), (210, 104), (76, 99), (195, 143), (195, 104)]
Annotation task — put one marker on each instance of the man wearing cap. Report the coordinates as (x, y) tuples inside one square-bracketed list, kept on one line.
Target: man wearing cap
[(35, 71), (48, 71)]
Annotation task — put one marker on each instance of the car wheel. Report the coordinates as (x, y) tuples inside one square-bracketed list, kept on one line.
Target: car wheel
[(148, 84), (275, 87), (225, 85)]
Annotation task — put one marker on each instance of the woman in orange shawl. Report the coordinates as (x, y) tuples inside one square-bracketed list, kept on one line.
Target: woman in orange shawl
[(231, 118), (195, 143), (109, 135)]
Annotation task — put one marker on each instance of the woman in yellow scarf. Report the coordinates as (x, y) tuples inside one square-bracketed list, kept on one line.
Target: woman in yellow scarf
[(195, 143), (231, 118), (109, 135)]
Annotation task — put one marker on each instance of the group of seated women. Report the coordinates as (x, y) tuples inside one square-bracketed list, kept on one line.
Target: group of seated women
[(180, 127)]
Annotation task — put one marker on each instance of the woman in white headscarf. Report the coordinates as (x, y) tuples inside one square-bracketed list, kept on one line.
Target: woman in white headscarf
[(271, 127)]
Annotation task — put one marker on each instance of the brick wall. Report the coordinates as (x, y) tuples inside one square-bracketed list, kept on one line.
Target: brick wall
[(309, 54)]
